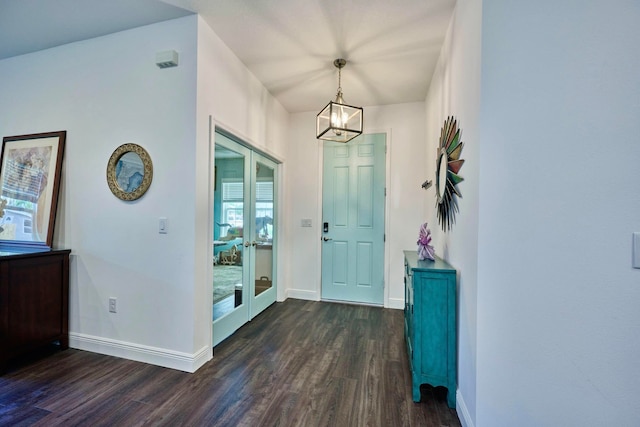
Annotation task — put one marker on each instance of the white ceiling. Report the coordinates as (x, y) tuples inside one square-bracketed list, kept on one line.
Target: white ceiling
[(391, 45)]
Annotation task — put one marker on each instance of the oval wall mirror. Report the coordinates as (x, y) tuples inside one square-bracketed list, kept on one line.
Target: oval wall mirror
[(441, 175), (129, 172)]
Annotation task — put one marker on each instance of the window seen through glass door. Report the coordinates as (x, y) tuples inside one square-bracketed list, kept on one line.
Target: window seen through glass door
[(232, 205), (264, 210)]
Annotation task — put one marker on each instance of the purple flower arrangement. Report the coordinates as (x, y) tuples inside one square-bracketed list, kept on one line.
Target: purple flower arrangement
[(425, 250)]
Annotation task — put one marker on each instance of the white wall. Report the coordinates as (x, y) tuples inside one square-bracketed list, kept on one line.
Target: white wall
[(405, 201), (558, 319), (455, 91), (106, 92), (237, 102), (302, 201)]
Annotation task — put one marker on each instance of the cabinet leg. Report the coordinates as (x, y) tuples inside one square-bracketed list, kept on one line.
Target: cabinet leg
[(416, 394), (415, 388), (451, 397)]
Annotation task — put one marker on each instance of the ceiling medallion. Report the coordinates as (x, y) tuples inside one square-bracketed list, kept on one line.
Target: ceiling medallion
[(448, 166)]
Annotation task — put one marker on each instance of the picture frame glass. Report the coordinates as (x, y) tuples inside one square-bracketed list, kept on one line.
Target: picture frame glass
[(30, 170)]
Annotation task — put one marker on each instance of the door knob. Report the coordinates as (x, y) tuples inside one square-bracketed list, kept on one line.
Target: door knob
[(254, 243), (326, 239), (247, 244)]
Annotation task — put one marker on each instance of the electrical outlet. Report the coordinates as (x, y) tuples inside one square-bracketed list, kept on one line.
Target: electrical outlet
[(112, 305)]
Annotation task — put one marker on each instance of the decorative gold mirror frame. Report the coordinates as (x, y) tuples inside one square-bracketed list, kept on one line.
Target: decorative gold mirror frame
[(448, 164), (114, 170)]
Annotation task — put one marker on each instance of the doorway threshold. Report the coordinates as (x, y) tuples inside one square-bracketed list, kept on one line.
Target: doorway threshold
[(338, 301)]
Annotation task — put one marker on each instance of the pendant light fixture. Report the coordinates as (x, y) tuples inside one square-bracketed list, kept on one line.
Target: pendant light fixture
[(338, 121)]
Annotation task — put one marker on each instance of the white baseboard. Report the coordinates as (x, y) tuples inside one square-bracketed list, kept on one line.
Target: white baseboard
[(397, 303), (142, 353), (302, 294), (463, 412)]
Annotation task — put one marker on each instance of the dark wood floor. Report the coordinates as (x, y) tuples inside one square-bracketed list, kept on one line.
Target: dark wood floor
[(299, 363)]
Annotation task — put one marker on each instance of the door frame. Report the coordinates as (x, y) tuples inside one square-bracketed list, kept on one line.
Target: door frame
[(248, 142), (387, 182), (240, 315)]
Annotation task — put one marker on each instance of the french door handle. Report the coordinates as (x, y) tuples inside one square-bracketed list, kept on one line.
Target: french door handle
[(254, 243), (247, 244), (326, 239)]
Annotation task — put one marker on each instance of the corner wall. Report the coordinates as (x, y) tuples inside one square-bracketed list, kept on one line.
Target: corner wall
[(558, 323), (105, 92), (455, 91), (237, 102)]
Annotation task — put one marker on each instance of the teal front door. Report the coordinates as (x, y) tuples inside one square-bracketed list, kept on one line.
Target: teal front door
[(353, 199)]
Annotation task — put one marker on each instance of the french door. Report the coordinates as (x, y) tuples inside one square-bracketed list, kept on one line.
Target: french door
[(244, 241)]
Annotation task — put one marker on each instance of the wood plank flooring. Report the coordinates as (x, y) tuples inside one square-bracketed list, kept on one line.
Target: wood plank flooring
[(299, 363)]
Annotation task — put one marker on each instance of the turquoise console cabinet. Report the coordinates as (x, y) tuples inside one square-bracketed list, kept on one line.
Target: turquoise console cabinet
[(430, 323)]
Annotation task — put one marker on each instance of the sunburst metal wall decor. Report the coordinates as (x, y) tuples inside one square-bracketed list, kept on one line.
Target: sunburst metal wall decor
[(447, 168)]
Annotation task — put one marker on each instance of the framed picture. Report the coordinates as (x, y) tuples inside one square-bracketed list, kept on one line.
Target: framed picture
[(30, 169)]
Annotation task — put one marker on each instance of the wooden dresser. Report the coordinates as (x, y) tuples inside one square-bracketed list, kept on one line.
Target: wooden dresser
[(34, 300), (430, 324)]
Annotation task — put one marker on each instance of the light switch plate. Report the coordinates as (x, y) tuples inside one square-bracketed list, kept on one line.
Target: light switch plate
[(305, 222), (636, 250), (162, 226)]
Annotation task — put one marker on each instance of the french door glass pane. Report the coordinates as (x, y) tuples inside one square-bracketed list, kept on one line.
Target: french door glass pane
[(264, 215), (228, 231)]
